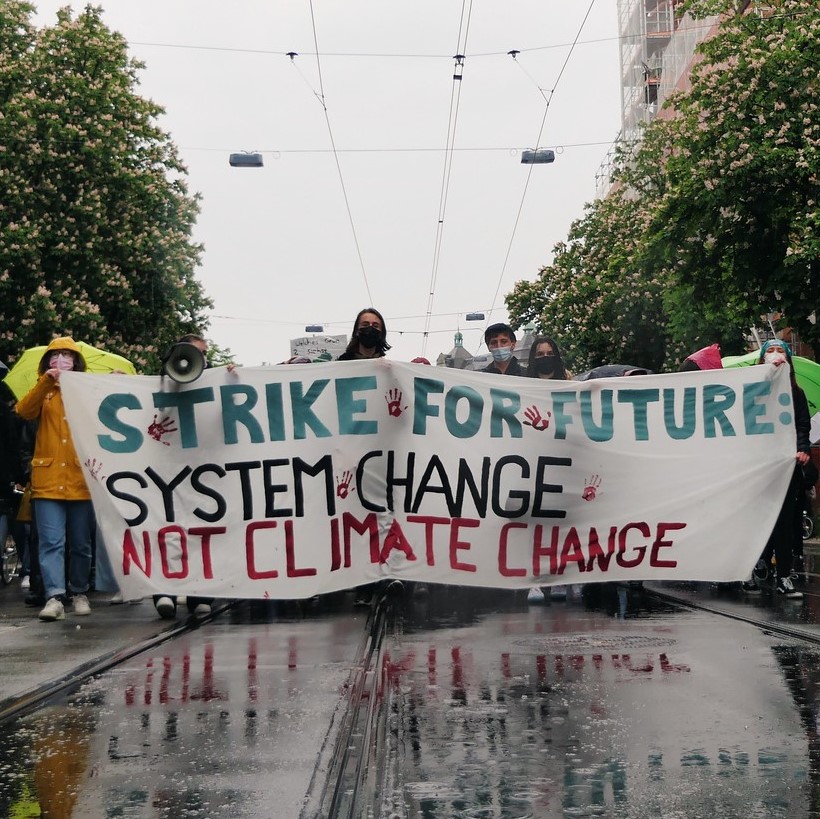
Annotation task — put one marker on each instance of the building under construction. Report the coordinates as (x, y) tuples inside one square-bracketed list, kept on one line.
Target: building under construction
[(657, 47)]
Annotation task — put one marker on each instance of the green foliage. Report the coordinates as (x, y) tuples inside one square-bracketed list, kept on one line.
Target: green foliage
[(738, 214), (595, 296), (720, 223), (95, 215)]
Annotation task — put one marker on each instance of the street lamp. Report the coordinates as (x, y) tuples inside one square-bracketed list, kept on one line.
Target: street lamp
[(475, 317), (540, 156), (314, 328), (246, 159)]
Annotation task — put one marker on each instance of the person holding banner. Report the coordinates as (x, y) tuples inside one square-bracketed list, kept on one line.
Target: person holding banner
[(62, 502), (545, 360), (369, 337), (368, 340), (500, 341), (166, 604), (781, 540)]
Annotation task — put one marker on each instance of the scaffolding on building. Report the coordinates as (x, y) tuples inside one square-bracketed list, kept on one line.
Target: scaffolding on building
[(657, 47)]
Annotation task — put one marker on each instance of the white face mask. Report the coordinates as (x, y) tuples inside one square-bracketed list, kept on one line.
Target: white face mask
[(775, 357), (61, 361)]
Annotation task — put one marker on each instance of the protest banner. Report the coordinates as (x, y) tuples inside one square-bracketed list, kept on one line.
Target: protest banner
[(286, 482)]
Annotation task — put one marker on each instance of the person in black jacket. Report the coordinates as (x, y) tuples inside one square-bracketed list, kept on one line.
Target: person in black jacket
[(500, 341), (369, 337), (782, 538), (11, 472), (368, 340), (166, 604)]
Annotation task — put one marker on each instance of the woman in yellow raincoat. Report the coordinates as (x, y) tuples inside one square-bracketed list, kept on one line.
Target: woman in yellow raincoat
[(62, 502)]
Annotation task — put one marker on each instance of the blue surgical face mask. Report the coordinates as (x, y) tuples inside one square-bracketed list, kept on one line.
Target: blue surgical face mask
[(502, 353)]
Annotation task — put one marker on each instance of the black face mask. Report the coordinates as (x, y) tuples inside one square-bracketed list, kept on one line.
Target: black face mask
[(369, 337), (549, 365)]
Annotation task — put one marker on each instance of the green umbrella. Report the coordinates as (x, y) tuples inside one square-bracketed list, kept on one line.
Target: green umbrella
[(23, 375), (807, 373)]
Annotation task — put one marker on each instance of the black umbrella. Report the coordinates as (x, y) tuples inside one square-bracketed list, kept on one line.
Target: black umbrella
[(612, 371)]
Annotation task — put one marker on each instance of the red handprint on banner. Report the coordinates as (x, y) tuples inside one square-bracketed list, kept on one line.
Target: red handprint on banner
[(394, 407), (158, 428), (343, 488), (94, 468), (535, 419), (591, 487)]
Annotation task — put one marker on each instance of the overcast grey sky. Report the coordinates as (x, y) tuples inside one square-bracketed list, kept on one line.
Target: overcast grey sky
[(279, 245)]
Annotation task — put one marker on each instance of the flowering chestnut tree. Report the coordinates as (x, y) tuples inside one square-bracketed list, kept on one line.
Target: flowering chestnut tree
[(737, 215), (714, 218), (595, 296), (95, 214)]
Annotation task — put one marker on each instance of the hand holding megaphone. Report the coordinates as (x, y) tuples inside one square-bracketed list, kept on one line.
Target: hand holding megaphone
[(184, 362)]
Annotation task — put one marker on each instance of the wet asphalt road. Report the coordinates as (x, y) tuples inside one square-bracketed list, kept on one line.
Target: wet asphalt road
[(458, 703)]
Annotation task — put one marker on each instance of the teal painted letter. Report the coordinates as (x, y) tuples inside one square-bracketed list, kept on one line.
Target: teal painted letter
[(132, 437), (349, 406), (752, 410), (422, 408)]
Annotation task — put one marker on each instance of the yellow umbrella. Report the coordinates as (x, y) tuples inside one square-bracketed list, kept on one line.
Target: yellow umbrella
[(23, 375)]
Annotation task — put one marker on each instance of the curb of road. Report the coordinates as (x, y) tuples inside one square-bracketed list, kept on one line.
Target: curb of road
[(22, 704), (735, 612)]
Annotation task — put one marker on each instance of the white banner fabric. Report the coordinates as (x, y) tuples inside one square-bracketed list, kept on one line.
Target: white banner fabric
[(291, 481)]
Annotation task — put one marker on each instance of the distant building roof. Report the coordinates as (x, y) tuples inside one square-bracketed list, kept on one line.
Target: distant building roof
[(458, 357)]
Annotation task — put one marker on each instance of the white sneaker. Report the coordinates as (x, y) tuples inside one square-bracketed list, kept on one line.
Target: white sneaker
[(116, 599), (785, 587), (25, 582), (53, 610), (81, 607), (202, 610), (535, 595), (166, 608)]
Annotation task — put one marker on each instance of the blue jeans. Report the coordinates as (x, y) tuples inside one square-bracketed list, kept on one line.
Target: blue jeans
[(104, 579), (57, 519)]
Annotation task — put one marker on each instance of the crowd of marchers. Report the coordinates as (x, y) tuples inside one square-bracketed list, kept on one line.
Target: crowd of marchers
[(47, 516)]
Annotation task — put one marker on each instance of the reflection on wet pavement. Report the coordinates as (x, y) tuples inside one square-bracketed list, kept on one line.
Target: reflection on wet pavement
[(607, 704), (226, 721), (593, 709)]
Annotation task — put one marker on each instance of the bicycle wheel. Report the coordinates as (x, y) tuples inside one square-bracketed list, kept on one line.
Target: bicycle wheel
[(808, 526), (10, 563)]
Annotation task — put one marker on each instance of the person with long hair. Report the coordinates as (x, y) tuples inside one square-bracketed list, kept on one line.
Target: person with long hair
[(369, 336), (60, 495), (545, 360), (782, 538), (368, 340)]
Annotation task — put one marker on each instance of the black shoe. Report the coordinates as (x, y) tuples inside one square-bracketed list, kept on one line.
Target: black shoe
[(750, 586), (34, 599), (760, 573)]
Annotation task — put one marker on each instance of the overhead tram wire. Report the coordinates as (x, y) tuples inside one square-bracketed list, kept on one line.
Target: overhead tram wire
[(293, 55), (537, 143), (488, 149), (336, 156), (381, 56), (452, 122)]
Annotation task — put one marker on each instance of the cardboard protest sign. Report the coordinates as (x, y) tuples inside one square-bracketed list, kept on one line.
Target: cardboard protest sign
[(286, 482)]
